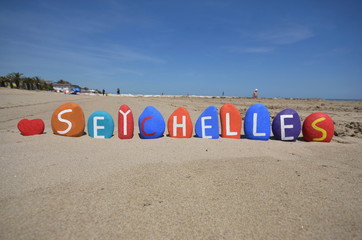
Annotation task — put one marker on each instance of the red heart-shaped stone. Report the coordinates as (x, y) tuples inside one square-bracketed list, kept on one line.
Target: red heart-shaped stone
[(31, 127)]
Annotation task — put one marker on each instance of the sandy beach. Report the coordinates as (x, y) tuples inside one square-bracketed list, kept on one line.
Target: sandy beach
[(55, 187)]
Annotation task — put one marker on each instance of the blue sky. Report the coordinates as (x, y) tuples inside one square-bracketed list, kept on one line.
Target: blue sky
[(283, 48)]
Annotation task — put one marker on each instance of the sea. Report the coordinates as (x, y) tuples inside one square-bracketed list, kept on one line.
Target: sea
[(335, 99)]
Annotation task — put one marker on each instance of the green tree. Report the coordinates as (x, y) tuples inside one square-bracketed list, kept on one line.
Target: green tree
[(15, 77), (2, 81), (27, 83), (61, 81)]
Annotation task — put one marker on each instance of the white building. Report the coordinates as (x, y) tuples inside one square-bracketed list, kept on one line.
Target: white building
[(58, 87)]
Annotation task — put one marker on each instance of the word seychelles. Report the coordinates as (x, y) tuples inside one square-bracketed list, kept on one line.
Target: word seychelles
[(68, 120)]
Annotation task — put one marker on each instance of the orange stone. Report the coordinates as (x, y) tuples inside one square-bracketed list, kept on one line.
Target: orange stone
[(68, 120), (179, 124), (230, 121)]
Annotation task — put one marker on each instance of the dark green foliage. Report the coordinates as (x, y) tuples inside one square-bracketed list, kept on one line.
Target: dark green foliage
[(17, 80)]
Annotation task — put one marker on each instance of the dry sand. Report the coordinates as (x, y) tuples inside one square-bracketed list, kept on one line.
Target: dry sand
[(55, 187)]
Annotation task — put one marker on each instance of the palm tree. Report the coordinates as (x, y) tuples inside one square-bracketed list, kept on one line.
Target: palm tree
[(2, 81), (15, 77), (31, 83), (37, 81)]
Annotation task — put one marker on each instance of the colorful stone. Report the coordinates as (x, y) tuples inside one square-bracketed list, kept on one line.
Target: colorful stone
[(318, 127), (68, 120), (257, 123), (31, 127), (286, 125), (179, 124), (100, 125), (230, 121), (125, 122), (151, 123), (207, 125)]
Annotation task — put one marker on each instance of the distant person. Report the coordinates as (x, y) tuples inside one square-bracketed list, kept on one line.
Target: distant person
[(118, 91), (103, 92), (255, 93)]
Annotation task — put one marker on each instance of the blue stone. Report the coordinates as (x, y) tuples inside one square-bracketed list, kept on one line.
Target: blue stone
[(257, 122), (207, 125), (100, 125), (287, 125), (151, 123)]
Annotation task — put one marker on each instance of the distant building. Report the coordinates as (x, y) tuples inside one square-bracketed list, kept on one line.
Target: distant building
[(90, 91), (59, 87)]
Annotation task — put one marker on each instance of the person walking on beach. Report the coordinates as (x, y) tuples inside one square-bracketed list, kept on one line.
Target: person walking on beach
[(103, 92), (118, 91), (255, 93)]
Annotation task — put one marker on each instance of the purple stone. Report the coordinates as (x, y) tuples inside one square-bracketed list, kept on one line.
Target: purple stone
[(286, 125)]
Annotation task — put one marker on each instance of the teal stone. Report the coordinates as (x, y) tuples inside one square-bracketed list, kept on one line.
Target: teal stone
[(100, 125)]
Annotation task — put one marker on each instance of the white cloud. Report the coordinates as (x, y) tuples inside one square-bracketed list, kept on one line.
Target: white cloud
[(284, 34), (74, 35), (217, 3), (334, 52), (237, 49), (272, 38), (120, 53)]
